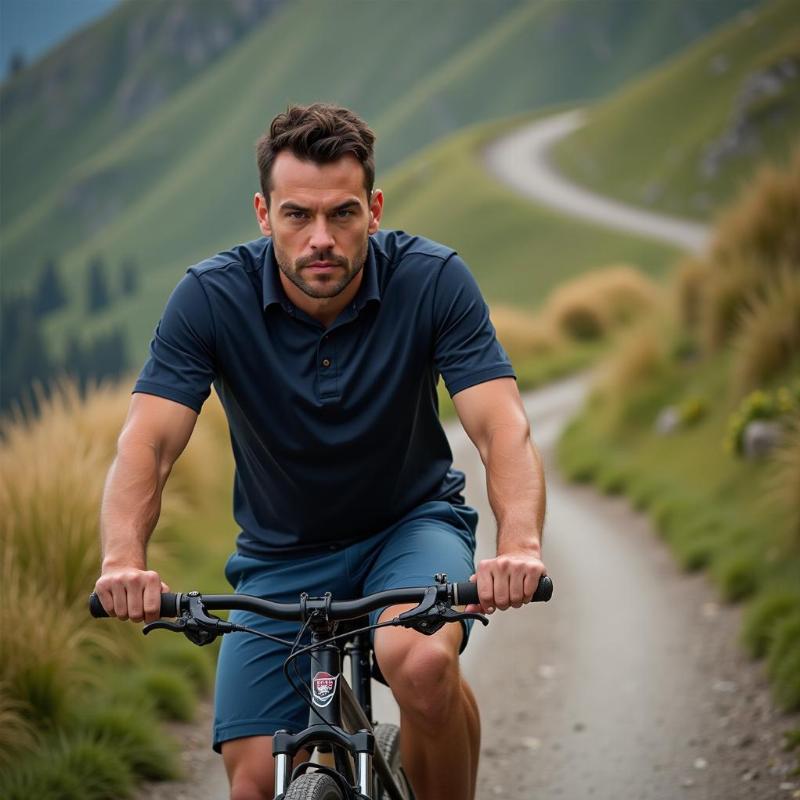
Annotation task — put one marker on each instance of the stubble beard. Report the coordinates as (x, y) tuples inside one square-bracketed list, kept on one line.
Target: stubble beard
[(323, 290)]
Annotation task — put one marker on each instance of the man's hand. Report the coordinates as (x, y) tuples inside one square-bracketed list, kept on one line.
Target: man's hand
[(507, 581), (131, 593)]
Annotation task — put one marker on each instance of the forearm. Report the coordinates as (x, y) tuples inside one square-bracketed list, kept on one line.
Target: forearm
[(131, 505), (516, 488)]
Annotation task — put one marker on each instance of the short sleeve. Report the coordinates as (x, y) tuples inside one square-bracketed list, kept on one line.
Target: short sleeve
[(181, 366), (466, 349)]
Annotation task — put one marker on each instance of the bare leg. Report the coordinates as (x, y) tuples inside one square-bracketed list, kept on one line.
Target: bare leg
[(251, 767), (440, 727)]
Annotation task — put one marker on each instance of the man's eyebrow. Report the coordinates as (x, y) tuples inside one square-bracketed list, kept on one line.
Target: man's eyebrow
[(347, 204), (288, 204)]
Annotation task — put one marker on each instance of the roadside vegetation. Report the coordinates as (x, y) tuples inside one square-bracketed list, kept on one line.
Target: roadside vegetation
[(80, 700), (696, 418)]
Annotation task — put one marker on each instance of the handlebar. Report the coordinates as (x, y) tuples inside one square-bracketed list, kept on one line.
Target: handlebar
[(173, 604)]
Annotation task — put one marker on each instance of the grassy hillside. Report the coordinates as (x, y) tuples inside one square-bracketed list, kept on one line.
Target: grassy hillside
[(686, 137), (669, 424), (172, 184)]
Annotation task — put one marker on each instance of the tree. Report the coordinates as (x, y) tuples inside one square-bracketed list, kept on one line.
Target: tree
[(49, 295), (23, 354), (130, 277), (99, 296)]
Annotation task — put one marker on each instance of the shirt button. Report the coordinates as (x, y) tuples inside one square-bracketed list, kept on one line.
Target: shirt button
[(326, 362)]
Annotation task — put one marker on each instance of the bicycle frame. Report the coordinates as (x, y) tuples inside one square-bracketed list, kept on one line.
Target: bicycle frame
[(339, 718)]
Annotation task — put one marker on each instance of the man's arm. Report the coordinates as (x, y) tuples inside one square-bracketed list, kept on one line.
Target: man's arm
[(154, 435), (494, 418)]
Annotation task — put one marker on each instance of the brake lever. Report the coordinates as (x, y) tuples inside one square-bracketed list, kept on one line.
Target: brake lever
[(430, 615), (195, 624)]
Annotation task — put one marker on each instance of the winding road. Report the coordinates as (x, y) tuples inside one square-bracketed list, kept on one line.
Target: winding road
[(629, 684)]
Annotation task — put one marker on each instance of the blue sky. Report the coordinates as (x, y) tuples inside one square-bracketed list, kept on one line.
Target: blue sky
[(32, 27)]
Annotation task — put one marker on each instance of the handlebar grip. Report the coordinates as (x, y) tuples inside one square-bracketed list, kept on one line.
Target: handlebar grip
[(467, 592), (169, 605)]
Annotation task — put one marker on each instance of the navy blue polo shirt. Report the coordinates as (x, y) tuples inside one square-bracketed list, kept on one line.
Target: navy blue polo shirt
[(335, 431)]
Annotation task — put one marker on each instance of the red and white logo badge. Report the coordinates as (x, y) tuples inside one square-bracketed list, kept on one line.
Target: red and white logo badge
[(323, 688)]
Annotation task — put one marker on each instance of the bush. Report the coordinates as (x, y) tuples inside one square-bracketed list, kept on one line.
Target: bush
[(69, 769), (768, 337), (737, 574), (172, 696), (764, 614), (783, 662), (591, 306), (762, 225), (785, 482), (135, 736)]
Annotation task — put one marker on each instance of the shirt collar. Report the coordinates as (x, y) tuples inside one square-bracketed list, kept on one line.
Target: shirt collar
[(273, 292)]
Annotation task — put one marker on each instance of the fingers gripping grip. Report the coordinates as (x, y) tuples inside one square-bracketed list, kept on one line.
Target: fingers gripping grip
[(169, 605), (467, 592)]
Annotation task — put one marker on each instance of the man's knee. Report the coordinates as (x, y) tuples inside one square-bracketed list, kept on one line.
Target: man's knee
[(422, 671)]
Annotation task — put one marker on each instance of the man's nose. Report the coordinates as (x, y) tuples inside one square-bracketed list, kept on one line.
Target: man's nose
[(321, 238)]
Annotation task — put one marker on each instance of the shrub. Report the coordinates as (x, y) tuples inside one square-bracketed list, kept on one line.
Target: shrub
[(764, 614), (591, 306), (522, 335), (783, 662), (762, 225), (689, 287), (136, 737), (170, 694), (768, 337), (785, 482), (69, 769), (737, 574)]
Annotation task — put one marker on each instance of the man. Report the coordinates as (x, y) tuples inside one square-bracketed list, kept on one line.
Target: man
[(325, 340)]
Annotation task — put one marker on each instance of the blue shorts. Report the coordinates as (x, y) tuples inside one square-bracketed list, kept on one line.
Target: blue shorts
[(252, 696)]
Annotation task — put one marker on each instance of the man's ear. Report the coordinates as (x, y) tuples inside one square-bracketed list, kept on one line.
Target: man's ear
[(262, 214), (375, 210)]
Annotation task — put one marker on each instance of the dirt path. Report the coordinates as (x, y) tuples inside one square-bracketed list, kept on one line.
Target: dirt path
[(520, 160)]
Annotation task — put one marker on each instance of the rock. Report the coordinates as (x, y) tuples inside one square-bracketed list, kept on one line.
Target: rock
[(668, 420), (760, 437)]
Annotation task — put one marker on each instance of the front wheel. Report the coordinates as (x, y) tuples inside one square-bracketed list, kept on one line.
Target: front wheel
[(314, 786), (387, 740)]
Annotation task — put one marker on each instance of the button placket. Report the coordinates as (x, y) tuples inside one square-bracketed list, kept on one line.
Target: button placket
[(327, 366)]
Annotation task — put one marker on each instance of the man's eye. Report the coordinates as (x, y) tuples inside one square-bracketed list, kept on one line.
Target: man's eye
[(343, 213), (296, 214)]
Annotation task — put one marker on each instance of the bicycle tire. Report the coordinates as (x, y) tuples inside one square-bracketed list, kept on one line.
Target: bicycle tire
[(314, 786), (387, 740)]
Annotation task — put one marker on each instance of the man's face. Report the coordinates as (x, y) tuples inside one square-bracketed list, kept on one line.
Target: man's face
[(319, 219)]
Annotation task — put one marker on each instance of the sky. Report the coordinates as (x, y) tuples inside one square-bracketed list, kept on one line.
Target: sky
[(32, 27)]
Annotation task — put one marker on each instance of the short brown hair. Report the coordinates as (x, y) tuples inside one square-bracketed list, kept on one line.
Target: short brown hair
[(321, 133)]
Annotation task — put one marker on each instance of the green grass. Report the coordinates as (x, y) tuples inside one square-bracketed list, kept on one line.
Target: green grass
[(646, 143)]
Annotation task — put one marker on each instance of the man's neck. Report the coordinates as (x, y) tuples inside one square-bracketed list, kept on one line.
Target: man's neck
[(324, 310)]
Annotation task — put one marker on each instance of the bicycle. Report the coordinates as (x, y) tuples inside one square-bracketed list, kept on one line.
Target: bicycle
[(366, 755)]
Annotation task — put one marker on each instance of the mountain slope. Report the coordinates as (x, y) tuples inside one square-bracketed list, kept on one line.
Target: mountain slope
[(175, 183), (686, 136)]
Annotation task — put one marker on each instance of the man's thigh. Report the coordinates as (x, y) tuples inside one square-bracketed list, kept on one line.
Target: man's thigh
[(253, 696), (437, 537)]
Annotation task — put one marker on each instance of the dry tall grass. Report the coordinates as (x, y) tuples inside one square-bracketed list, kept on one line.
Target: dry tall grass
[(521, 334), (763, 226), (52, 472), (753, 241), (592, 305), (768, 338)]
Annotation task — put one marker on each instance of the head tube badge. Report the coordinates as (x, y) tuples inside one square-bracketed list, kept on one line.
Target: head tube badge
[(323, 688)]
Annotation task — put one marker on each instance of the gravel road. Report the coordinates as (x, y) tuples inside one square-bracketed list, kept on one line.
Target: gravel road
[(629, 684), (520, 160)]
